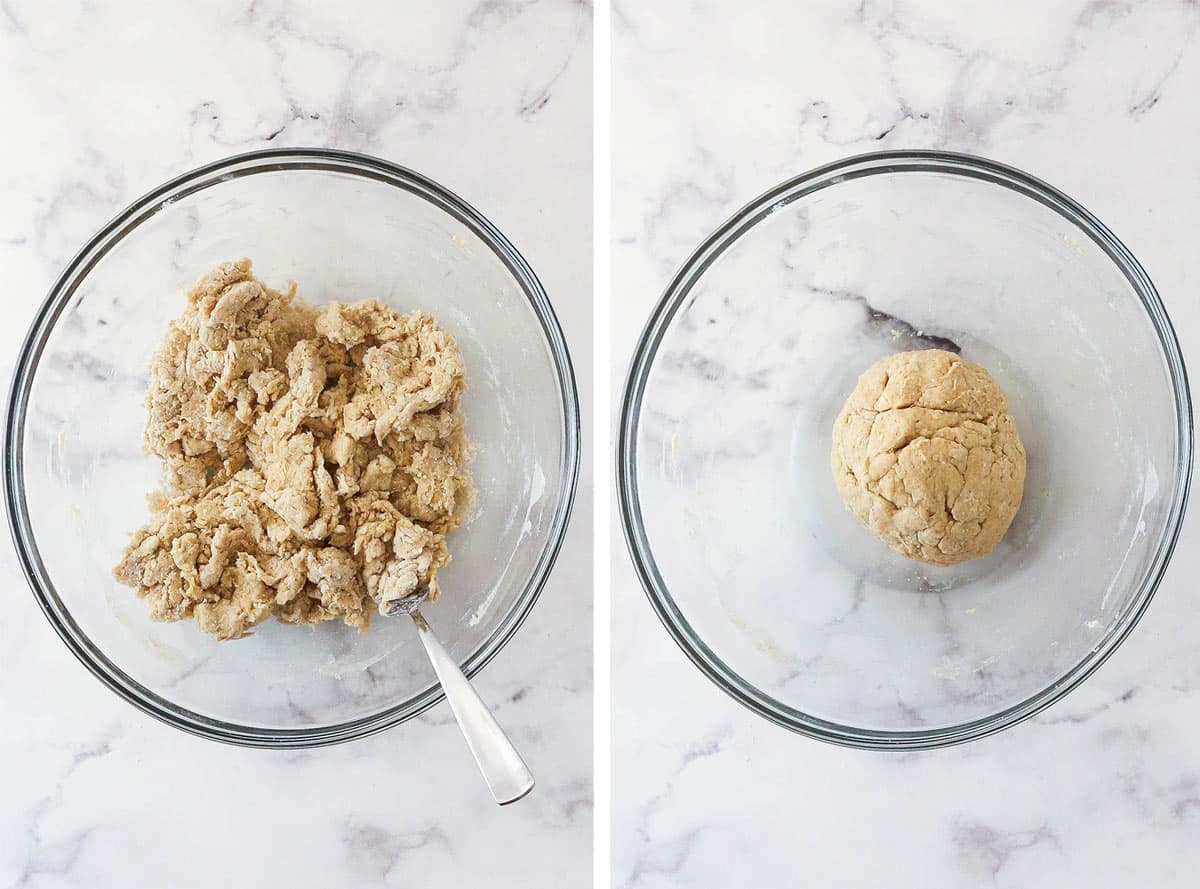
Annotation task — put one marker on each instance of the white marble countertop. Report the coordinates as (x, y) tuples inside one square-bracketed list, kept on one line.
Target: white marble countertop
[(710, 109), (103, 102)]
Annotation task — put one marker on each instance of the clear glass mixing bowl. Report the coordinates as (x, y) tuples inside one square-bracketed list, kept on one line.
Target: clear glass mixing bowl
[(729, 506), (343, 226)]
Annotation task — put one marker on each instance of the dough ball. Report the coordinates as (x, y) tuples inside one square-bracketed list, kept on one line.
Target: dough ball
[(927, 457)]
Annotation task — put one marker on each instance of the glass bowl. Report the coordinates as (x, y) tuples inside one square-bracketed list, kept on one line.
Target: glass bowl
[(343, 226), (729, 506)]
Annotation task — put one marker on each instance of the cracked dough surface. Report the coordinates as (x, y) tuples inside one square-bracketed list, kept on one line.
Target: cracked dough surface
[(927, 457), (314, 459)]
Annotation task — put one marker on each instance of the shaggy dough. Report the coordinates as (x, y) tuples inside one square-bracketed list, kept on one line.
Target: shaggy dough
[(927, 457), (313, 459)]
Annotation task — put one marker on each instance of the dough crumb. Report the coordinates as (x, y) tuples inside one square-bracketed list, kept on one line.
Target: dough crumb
[(927, 457), (314, 458)]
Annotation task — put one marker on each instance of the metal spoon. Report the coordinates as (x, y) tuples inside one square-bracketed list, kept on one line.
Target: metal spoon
[(505, 772)]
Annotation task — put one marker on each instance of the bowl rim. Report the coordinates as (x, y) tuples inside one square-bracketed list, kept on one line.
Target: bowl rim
[(645, 351), (298, 159)]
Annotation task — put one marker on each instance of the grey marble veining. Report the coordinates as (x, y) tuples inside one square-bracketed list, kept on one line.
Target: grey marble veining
[(491, 99), (711, 109)]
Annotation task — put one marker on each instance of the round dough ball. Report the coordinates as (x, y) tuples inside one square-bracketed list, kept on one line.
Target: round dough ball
[(926, 455)]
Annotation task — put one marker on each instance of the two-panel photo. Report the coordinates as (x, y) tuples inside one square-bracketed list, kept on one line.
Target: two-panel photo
[(539, 444)]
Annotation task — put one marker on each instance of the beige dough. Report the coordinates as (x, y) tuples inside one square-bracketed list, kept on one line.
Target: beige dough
[(313, 459), (927, 457)]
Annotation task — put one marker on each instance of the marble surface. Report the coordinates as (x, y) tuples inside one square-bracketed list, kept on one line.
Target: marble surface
[(490, 99), (710, 110)]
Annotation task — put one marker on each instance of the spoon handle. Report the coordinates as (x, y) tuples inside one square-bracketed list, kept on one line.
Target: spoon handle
[(506, 774)]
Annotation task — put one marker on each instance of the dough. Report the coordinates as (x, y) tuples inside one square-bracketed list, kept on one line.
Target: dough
[(314, 459), (927, 457)]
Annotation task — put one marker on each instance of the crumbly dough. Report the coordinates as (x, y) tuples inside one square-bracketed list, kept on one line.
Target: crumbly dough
[(927, 457), (314, 459)]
